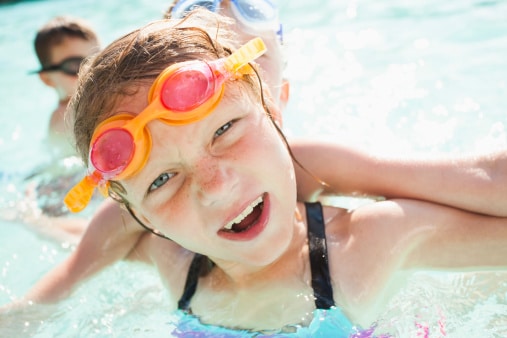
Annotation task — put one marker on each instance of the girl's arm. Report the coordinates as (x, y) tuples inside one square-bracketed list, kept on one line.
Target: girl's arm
[(111, 236), (373, 244), (461, 182)]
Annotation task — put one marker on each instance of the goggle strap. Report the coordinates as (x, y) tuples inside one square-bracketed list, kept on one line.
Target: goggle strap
[(80, 195), (248, 52)]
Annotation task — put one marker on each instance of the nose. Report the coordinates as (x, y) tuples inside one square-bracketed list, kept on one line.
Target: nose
[(213, 180)]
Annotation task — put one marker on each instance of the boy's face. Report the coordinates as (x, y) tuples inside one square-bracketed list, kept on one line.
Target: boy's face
[(66, 84), (272, 62), (228, 170)]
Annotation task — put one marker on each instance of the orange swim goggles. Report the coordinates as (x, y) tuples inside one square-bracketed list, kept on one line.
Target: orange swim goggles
[(183, 93)]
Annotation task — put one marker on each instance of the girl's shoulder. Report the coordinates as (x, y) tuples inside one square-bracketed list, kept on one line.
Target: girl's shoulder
[(170, 259), (381, 224)]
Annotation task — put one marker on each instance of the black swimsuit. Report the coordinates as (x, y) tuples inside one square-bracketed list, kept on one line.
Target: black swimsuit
[(321, 281)]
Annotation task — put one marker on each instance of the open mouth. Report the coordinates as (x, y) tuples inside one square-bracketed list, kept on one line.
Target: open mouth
[(247, 218)]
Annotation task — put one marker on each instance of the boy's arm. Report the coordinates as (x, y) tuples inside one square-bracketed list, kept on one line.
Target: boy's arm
[(459, 182), (110, 236)]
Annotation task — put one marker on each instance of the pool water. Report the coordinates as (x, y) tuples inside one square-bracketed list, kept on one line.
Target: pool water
[(395, 76)]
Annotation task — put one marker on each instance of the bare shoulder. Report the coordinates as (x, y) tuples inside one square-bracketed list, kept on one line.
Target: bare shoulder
[(386, 213), (342, 223), (112, 219), (385, 224), (170, 259), (366, 246), (136, 243), (159, 251)]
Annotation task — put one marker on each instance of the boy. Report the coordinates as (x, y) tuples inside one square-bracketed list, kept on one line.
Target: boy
[(61, 45)]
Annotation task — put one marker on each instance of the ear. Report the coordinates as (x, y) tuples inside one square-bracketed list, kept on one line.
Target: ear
[(46, 79), (284, 94)]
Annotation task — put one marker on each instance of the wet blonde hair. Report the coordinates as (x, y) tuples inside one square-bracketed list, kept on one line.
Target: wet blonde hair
[(137, 58)]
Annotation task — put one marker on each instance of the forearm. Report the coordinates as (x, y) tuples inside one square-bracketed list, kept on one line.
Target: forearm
[(55, 285), (477, 184), (110, 237)]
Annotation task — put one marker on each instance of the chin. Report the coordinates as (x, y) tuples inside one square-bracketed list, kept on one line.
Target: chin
[(276, 243)]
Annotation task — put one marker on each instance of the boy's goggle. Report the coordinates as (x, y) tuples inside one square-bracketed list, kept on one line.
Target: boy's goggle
[(183, 93), (256, 15), (69, 66)]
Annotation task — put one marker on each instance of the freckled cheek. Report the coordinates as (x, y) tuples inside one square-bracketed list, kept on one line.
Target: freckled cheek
[(171, 218), (206, 172)]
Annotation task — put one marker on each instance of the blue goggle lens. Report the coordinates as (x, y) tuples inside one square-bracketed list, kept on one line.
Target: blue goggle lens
[(181, 9), (249, 10), (256, 11)]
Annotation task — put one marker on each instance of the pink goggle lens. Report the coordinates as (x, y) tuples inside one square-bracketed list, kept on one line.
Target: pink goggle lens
[(112, 151), (187, 89)]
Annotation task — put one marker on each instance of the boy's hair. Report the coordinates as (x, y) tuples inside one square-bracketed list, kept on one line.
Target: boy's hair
[(56, 30)]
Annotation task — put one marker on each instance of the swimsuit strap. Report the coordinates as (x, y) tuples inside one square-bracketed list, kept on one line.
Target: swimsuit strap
[(321, 281), (190, 283)]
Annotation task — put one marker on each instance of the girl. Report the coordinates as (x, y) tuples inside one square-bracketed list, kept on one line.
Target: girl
[(210, 172)]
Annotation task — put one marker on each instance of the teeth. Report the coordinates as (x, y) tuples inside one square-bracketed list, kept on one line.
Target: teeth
[(244, 213)]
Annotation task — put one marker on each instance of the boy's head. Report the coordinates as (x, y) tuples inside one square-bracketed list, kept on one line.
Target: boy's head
[(253, 18), (60, 45)]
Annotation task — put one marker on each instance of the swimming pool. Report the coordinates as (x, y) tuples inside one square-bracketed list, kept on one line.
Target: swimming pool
[(388, 76)]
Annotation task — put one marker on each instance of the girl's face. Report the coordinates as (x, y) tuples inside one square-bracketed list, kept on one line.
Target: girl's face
[(223, 186)]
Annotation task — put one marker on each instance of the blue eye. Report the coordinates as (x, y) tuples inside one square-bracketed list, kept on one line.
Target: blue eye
[(220, 131), (160, 181)]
